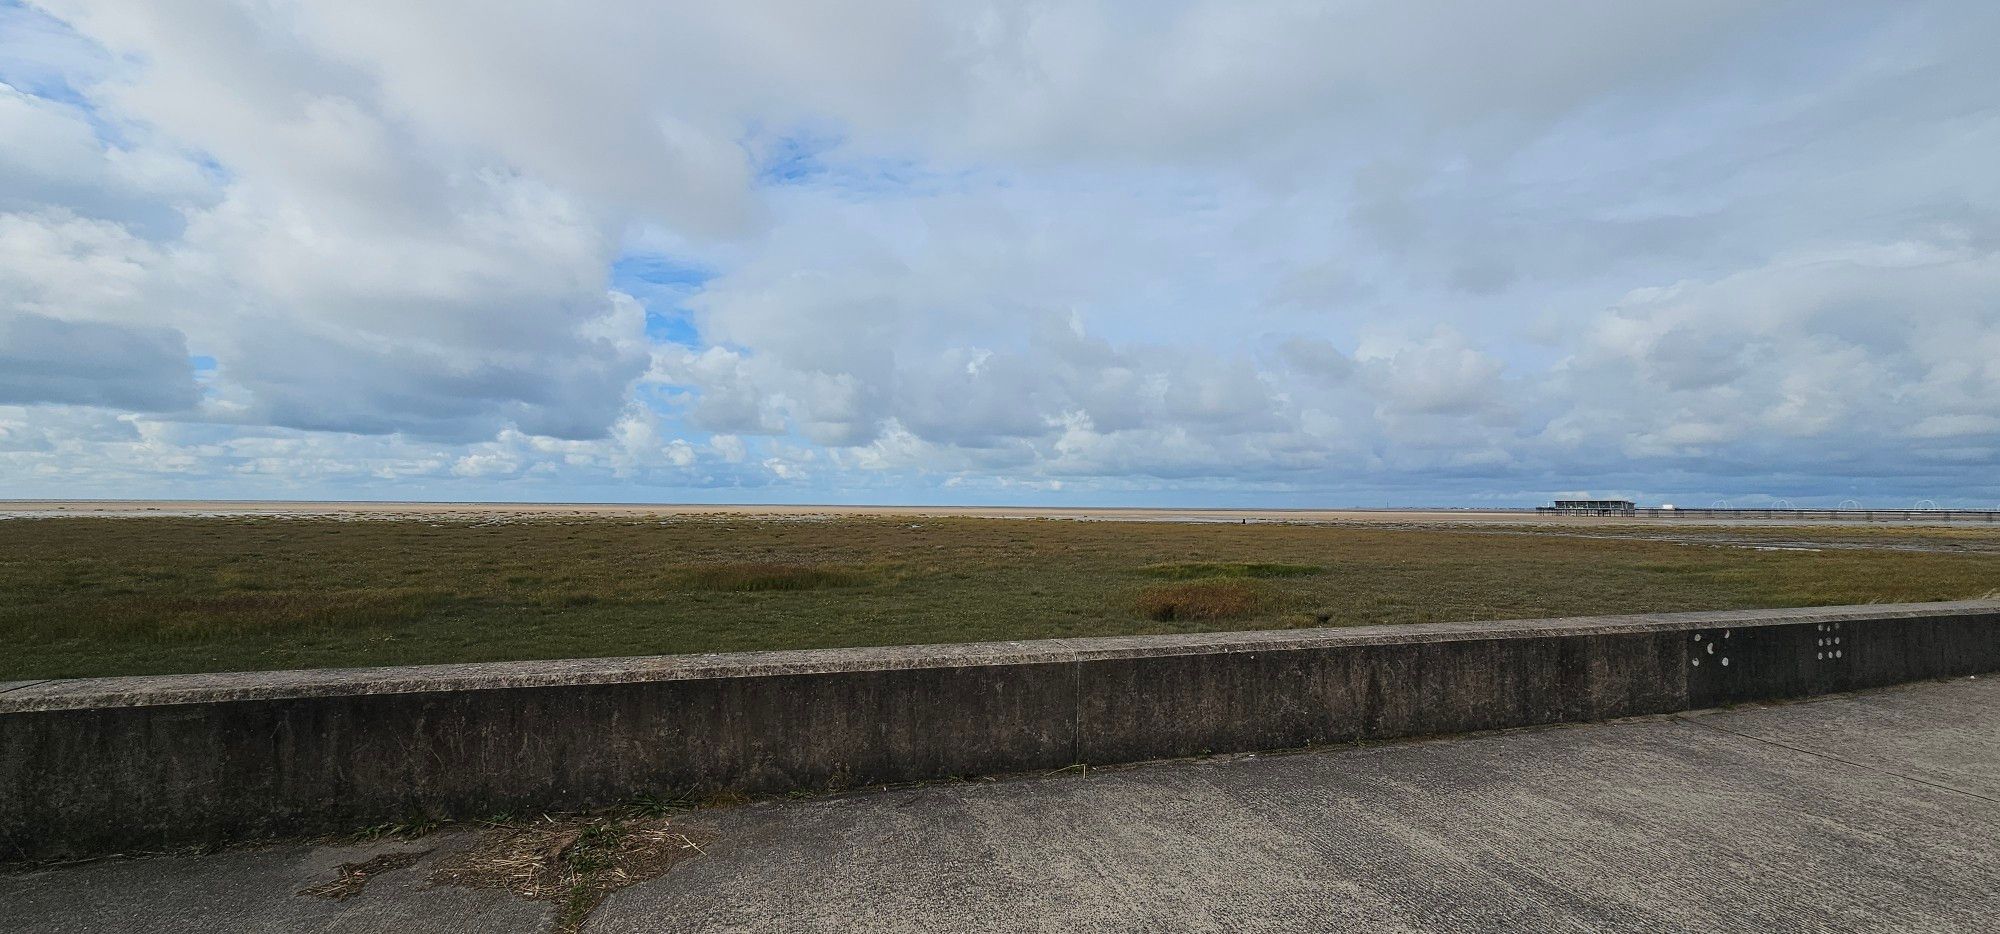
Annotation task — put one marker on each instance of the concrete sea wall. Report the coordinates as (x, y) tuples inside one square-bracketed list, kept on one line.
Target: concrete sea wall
[(101, 765)]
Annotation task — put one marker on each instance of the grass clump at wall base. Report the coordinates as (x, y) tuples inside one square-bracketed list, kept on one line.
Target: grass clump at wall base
[(1196, 570), (1198, 600), (749, 576)]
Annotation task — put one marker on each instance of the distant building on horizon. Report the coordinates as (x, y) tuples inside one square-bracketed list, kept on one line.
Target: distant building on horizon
[(1590, 507)]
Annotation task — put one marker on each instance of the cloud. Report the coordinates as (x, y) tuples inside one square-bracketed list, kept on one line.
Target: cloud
[(1441, 374), (76, 318), (1344, 251), (492, 315), (88, 363)]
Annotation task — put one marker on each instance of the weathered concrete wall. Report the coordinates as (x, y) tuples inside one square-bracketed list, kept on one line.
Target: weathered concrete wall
[(121, 763)]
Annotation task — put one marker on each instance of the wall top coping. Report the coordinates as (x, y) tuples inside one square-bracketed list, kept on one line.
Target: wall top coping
[(164, 690)]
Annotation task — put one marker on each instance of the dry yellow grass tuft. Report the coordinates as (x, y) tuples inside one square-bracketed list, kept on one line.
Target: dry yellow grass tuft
[(751, 576), (574, 863), (1194, 570), (1198, 601), (351, 878)]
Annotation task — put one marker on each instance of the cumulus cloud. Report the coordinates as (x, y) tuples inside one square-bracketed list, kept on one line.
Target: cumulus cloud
[(1847, 343), (90, 363), (1328, 251), (76, 319), (55, 156)]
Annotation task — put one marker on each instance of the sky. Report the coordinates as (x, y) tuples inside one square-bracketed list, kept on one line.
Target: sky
[(1167, 252)]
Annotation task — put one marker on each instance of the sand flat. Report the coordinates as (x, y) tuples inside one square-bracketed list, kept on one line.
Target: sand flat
[(27, 508), (363, 510)]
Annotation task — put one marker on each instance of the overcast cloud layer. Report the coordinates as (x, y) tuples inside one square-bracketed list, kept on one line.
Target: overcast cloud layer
[(1313, 254)]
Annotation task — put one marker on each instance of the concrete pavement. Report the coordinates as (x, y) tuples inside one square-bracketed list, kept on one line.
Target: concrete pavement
[(1873, 811)]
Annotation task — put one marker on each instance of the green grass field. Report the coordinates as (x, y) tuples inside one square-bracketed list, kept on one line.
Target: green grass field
[(105, 596)]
